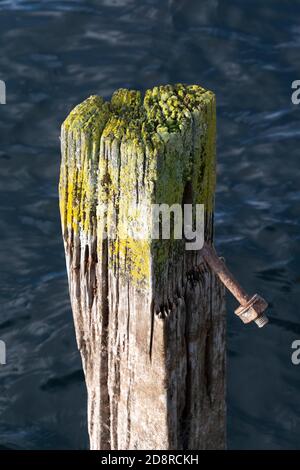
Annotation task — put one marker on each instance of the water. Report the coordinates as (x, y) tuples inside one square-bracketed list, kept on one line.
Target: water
[(56, 53)]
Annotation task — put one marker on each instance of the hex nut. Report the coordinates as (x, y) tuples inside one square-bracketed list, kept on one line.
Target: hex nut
[(252, 310)]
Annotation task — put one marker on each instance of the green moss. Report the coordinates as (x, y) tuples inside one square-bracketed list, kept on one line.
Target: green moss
[(137, 150)]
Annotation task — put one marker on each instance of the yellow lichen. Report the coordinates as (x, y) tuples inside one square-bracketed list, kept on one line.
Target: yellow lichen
[(81, 133), (130, 153)]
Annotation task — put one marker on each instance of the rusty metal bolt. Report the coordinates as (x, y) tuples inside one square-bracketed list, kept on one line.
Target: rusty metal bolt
[(251, 308)]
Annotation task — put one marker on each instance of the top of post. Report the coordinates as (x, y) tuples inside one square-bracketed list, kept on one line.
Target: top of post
[(136, 150)]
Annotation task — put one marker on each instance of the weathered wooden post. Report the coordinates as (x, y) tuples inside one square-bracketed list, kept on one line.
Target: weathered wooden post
[(149, 314)]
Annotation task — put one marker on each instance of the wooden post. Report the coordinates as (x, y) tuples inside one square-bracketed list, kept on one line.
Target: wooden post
[(149, 315)]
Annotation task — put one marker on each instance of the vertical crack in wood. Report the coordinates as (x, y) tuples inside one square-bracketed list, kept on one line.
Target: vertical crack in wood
[(152, 313), (104, 343), (185, 417)]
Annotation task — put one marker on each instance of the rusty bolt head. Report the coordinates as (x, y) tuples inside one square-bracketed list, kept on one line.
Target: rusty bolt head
[(253, 310)]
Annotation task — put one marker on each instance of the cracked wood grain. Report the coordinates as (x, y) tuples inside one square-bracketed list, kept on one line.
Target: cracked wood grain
[(149, 316)]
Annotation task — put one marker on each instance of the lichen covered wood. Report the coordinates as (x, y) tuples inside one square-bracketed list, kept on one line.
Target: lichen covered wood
[(149, 315)]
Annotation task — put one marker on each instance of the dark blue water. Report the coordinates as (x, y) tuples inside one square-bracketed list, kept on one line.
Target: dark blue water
[(56, 53)]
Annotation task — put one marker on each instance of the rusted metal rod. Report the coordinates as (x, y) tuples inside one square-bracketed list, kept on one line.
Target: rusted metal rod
[(251, 307)]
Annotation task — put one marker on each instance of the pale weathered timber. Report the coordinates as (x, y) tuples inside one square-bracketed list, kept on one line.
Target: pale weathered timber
[(149, 315)]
